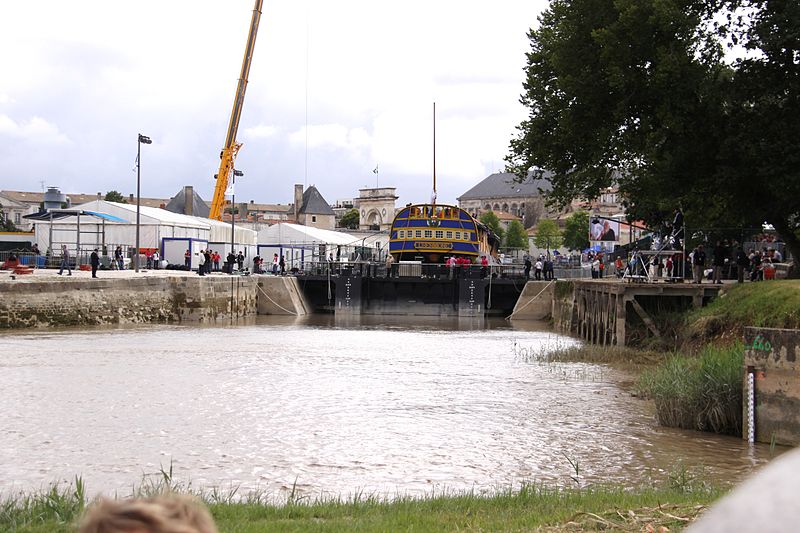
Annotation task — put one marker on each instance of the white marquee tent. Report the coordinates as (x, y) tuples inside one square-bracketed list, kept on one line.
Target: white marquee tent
[(170, 233), (302, 244)]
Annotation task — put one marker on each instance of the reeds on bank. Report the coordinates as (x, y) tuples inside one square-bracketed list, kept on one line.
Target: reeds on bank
[(702, 392)]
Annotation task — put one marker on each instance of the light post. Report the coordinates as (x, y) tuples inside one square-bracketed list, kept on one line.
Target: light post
[(233, 214), (143, 139)]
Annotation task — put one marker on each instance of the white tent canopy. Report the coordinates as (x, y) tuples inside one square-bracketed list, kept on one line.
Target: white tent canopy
[(286, 234), (155, 227), (301, 244), (220, 232)]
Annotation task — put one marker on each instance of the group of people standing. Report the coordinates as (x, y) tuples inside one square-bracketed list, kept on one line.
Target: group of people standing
[(542, 267), (278, 265), (209, 261), (153, 259), (756, 265)]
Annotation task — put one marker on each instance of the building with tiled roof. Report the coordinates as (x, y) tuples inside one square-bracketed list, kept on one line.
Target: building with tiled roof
[(311, 209), (501, 192)]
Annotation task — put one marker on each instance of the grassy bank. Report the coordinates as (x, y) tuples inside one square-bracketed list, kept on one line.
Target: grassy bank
[(770, 304), (532, 507)]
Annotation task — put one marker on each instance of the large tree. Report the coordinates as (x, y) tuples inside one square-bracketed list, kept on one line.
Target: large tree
[(547, 236), (639, 93), (493, 223), (516, 236), (350, 219), (115, 196), (576, 231)]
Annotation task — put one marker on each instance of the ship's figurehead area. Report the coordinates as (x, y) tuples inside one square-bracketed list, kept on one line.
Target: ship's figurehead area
[(431, 232)]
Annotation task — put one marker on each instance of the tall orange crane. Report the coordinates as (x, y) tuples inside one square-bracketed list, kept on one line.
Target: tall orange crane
[(231, 148)]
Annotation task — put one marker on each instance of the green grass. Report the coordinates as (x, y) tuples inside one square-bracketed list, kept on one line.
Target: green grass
[(770, 304), (702, 393), (672, 504), (615, 356)]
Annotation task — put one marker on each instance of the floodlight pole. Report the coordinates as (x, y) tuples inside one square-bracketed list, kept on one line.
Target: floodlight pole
[(233, 205), (143, 139)]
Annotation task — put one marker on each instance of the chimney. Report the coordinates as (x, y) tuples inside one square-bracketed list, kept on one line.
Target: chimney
[(188, 200), (298, 201)]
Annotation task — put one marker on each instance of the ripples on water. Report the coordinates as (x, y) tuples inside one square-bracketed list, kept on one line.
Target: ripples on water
[(335, 407)]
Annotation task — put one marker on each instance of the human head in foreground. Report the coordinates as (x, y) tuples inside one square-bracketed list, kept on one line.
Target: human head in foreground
[(165, 513)]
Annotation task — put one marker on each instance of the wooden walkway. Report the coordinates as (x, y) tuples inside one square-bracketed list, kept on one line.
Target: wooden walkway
[(600, 309)]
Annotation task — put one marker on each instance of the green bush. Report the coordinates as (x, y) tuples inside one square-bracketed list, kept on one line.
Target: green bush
[(702, 393)]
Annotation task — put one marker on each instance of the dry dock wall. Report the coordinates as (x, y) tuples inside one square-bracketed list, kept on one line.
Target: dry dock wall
[(281, 295), (535, 302), (81, 301), (772, 358)]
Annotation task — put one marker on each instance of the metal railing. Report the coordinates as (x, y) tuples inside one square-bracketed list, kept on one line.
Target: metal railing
[(368, 269)]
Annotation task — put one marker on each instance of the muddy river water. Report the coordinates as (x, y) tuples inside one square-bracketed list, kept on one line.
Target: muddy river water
[(380, 405)]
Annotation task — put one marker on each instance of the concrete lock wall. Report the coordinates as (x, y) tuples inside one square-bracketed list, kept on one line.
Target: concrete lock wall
[(772, 357), (76, 302), (535, 302), (280, 295)]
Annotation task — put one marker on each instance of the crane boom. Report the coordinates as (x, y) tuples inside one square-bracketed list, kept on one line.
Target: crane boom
[(231, 148)]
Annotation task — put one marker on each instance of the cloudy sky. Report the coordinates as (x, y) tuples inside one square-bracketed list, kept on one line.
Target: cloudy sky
[(336, 88)]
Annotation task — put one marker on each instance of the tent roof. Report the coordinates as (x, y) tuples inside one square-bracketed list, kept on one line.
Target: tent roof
[(243, 235), (64, 213), (148, 215), (284, 233)]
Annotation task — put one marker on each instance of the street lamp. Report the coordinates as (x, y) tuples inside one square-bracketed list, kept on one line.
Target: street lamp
[(143, 139), (233, 215)]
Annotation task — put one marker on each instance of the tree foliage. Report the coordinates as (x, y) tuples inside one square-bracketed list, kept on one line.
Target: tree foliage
[(350, 219), (115, 196), (6, 224), (547, 236), (640, 94), (576, 231), (491, 220), (516, 236)]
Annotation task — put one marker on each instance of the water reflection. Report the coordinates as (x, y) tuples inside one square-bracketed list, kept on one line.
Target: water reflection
[(333, 406)]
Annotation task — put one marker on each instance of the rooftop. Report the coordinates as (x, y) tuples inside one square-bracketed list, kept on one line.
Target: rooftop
[(505, 185)]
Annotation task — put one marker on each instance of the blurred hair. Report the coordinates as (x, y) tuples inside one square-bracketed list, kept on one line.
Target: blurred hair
[(165, 513)]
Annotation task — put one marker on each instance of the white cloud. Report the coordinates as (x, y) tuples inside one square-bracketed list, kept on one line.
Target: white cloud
[(360, 75), (260, 131), (36, 131), (354, 140)]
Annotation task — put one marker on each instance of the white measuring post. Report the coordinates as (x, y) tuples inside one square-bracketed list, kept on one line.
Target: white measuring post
[(751, 411)]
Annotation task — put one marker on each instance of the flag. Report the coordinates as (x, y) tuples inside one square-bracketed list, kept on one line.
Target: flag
[(229, 191), (375, 170), (135, 163)]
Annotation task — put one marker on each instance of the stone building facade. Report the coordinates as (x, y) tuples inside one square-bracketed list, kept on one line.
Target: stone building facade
[(376, 208)]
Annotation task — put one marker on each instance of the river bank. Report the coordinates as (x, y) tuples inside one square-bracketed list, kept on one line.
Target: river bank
[(672, 503), (695, 376)]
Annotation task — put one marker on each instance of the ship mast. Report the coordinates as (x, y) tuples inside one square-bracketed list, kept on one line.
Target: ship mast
[(433, 195)]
